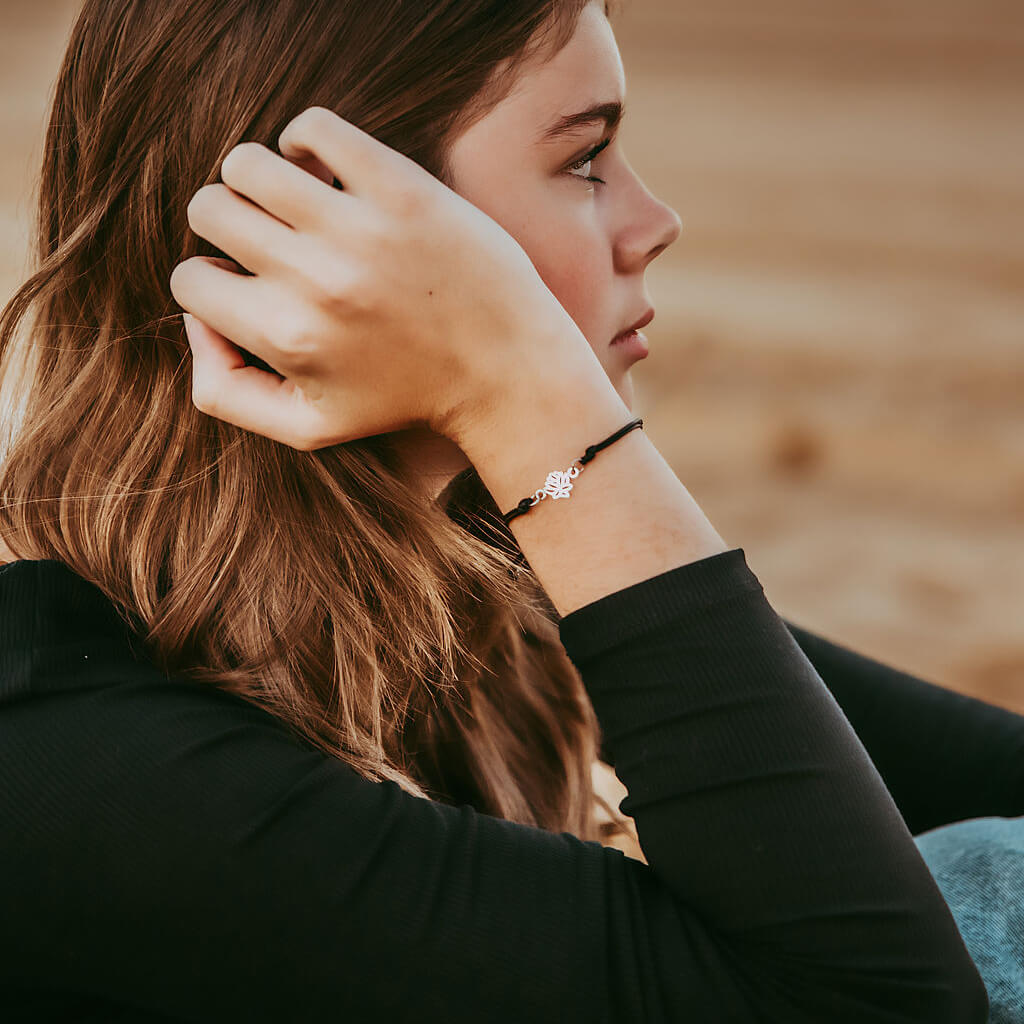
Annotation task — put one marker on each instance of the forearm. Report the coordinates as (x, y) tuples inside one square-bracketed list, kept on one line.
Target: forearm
[(628, 517), (962, 758), (767, 752)]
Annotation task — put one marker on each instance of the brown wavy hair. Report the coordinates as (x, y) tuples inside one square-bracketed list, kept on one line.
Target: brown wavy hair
[(402, 634)]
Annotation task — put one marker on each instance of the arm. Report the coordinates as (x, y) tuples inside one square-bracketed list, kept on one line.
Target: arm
[(174, 849), (944, 756)]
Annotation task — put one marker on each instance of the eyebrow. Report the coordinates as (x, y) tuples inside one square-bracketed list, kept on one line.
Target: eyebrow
[(610, 113)]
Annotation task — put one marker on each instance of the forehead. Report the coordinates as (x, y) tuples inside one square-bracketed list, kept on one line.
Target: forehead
[(586, 71)]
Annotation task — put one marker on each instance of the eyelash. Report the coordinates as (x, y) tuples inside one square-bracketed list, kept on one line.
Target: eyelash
[(586, 158)]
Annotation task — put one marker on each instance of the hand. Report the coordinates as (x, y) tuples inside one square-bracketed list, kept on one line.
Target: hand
[(389, 304)]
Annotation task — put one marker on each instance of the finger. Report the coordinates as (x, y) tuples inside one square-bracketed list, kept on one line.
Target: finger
[(292, 194), (249, 234), (224, 387), (243, 309), (249, 358), (362, 164)]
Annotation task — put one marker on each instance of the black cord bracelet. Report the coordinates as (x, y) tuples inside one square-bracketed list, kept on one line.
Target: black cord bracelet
[(558, 485)]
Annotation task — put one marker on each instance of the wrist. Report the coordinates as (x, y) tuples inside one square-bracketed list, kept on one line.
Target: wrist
[(539, 423)]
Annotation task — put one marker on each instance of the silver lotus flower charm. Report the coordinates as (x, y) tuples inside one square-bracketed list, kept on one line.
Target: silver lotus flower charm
[(558, 485)]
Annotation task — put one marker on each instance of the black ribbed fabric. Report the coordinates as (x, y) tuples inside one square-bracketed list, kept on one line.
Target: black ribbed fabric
[(170, 852)]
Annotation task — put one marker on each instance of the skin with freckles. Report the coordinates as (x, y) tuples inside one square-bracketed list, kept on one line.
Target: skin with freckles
[(591, 241)]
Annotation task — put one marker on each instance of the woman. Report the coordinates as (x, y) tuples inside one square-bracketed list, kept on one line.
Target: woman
[(287, 732)]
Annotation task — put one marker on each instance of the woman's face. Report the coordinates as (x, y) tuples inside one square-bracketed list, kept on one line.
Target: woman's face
[(590, 241)]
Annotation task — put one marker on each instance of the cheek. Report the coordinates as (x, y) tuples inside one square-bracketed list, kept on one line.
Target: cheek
[(566, 242), (576, 266)]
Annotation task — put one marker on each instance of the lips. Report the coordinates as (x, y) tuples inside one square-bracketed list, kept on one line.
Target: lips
[(642, 322)]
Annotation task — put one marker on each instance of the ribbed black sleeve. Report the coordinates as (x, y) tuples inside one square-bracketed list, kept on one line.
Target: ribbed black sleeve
[(170, 852), (944, 756)]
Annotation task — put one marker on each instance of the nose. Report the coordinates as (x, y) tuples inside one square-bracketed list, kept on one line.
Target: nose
[(651, 226), (674, 228), (671, 227)]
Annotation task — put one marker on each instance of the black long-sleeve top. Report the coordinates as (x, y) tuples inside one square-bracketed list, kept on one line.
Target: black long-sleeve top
[(170, 852)]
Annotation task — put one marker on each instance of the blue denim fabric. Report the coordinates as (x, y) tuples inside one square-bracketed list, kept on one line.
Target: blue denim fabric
[(979, 867)]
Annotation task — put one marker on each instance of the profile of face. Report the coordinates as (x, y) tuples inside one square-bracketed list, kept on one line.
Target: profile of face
[(590, 240), (589, 226)]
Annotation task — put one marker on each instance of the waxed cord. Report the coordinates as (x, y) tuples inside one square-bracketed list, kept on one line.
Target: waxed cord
[(558, 484)]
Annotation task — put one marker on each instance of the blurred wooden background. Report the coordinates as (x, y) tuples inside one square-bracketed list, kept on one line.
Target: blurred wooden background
[(837, 364)]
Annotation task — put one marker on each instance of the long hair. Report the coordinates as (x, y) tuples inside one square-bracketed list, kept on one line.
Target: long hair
[(389, 629)]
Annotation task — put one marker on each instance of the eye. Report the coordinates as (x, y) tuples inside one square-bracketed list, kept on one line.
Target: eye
[(582, 162)]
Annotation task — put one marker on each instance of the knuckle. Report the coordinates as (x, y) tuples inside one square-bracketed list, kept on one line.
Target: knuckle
[(318, 116), (327, 277), (346, 300), (203, 202), (243, 155), (174, 281), (299, 346), (250, 150), (328, 284), (178, 280), (311, 120), (202, 396), (294, 338)]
